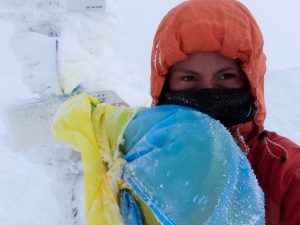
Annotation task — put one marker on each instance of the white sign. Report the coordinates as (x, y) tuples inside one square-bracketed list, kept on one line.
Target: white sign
[(86, 5)]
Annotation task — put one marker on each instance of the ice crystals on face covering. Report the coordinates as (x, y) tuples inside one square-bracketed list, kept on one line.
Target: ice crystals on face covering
[(229, 106)]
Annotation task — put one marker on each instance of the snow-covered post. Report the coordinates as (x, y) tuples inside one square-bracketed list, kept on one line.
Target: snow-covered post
[(60, 42), (37, 28)]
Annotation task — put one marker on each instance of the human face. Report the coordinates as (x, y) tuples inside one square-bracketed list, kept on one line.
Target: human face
[(206, 70)]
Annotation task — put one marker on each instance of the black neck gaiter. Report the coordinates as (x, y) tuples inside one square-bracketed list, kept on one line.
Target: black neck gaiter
[(229, 106)]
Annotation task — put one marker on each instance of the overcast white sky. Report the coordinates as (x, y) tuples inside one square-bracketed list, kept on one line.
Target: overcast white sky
[(279, 21)]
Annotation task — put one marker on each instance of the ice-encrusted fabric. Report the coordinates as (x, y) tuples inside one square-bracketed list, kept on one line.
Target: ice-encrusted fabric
[(186, 168), (96, 131)]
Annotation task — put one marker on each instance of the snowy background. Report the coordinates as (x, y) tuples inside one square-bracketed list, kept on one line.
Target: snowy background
[(43, 185)]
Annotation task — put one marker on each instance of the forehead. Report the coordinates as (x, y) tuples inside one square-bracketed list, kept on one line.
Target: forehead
[(207, 60)]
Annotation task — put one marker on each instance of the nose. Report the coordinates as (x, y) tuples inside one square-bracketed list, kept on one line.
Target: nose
[(206, 83)]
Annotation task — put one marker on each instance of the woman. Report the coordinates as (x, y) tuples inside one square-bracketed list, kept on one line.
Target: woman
[(208, 55)]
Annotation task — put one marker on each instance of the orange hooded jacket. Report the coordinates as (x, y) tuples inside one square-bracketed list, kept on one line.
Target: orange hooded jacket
[(227, 27)]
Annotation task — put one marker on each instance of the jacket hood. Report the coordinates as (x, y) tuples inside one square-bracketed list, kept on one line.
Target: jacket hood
[(224, 26)]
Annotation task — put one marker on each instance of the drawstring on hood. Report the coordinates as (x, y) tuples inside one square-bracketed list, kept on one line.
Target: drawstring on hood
[(277, 150)]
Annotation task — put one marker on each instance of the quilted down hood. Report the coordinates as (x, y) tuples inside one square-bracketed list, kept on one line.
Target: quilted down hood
[(224, 26)]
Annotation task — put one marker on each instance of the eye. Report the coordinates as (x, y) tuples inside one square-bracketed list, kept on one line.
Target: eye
[(183, 80), (230, 79), (188, 78), (228, 76)]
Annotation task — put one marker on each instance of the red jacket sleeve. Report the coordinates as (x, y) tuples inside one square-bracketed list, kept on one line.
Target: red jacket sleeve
[(290, 207), (279, 177)]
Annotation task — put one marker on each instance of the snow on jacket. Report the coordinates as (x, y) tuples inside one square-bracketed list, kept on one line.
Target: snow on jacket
[(227, 27)]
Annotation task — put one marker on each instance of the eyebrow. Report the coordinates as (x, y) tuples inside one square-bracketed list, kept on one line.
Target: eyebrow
[(183, 70), (194, 72), (225, 69)]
